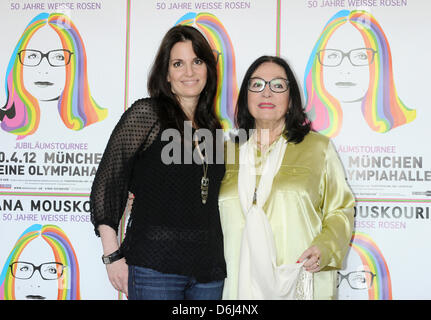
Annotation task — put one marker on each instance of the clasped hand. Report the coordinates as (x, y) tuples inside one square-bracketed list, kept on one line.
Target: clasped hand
[(311, 256)]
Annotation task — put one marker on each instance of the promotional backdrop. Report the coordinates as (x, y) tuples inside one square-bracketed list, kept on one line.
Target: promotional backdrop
[(71, 68), (364, 86)]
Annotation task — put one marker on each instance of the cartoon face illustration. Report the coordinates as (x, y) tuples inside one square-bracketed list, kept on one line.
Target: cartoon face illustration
[(36, 272), (345, 63), (44, 65), (49, 63), (350, 62), (366, 274), (42, 265)]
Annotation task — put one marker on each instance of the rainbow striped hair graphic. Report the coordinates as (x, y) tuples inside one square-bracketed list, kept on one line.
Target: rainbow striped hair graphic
[(381, 107), (68, 283), (219, 40), (373, 260), (77, 109)]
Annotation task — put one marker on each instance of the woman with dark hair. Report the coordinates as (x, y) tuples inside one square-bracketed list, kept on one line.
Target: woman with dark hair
[(173, 247), (285, 206)]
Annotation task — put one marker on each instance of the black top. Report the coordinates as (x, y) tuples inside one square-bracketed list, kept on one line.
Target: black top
[(169, 229)]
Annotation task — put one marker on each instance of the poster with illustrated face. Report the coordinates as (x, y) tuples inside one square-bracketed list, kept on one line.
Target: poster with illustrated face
[(63, 83), (60, 100), (231, 27), (365, 87), (42, 265)]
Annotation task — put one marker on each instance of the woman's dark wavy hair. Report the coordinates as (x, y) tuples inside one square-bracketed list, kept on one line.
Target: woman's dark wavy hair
[(170, 112), (297, 123)]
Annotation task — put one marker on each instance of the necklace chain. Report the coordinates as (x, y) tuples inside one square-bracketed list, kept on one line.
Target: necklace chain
[(205, 181)]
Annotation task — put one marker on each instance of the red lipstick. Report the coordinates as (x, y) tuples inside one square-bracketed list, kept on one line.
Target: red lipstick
[(266, 105)]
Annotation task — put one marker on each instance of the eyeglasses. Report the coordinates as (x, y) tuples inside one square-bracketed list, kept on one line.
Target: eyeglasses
[(277, 85), (357, 280), (48, 271), (56, 58), (217, 54), (357, 57)]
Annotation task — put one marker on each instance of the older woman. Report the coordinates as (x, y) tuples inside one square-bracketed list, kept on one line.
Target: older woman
[(285, 205), (174, 244)]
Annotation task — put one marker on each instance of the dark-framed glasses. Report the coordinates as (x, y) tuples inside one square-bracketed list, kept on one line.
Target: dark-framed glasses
[(48, 271), (357, 280), (277, 85), (357, 57), (56, 58)]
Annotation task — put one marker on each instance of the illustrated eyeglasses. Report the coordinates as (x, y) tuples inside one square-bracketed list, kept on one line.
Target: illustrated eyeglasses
[(48, 271), (277, 85), (357, 57), (217, 54), (357, 280), (55, 58)]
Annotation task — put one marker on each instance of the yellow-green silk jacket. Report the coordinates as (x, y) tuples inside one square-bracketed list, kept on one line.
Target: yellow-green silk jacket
[(310, 204)]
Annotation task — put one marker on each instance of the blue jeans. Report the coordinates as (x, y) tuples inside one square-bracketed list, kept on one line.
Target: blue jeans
[(149, 284)]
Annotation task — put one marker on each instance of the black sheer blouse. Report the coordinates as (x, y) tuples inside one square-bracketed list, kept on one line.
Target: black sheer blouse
[(169, 229)]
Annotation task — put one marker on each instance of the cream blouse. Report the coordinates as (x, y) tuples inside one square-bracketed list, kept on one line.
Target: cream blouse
[(310, 204)]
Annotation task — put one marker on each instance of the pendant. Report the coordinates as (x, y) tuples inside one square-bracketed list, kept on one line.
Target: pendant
[(204, 189)]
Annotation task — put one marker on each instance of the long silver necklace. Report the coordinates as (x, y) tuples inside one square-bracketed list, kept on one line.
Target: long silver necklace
[(205, 181)]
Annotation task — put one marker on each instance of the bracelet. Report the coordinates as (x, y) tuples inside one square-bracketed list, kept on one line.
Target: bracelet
[(116, 255)]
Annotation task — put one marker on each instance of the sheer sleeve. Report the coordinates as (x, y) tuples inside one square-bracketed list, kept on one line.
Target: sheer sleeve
[(135, 131)]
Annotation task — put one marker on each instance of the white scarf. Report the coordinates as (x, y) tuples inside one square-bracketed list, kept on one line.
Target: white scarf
[(259, 276)]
